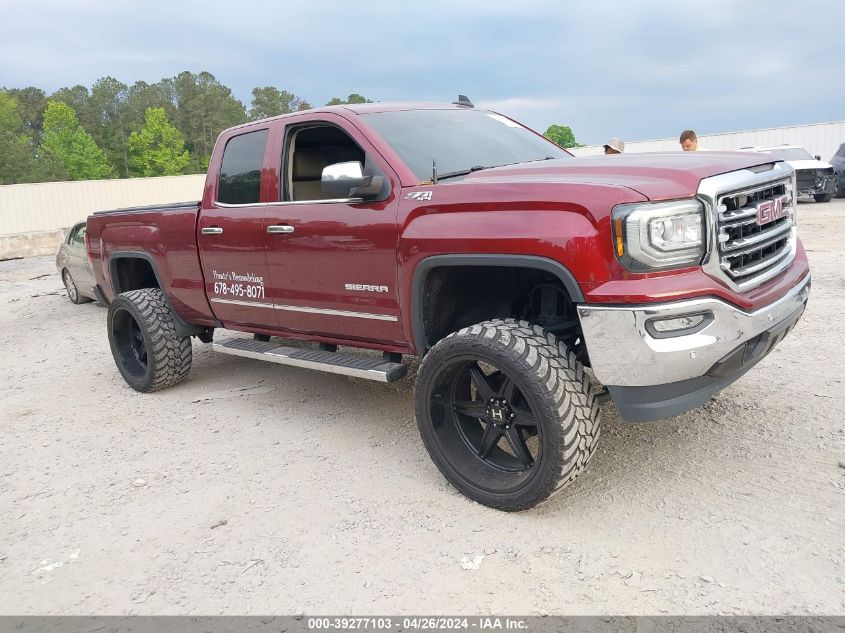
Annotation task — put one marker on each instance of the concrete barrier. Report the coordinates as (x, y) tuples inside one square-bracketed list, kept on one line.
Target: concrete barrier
[(30, 244)]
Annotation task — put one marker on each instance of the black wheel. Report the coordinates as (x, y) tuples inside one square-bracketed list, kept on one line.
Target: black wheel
[(506, 413), (143, 340), (72, 290), (823, 197)]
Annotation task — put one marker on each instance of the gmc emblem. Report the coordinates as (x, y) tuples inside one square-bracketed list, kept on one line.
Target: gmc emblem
[(772, 210)]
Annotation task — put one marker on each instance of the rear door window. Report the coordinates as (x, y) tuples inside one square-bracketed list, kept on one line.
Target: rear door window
[(240, 172), (77, 236)]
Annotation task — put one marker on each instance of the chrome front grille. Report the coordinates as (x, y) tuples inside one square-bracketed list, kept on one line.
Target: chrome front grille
[(755, 236)]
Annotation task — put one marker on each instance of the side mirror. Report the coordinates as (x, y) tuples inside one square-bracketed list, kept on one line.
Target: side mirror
[(818, 157), (341, 178)]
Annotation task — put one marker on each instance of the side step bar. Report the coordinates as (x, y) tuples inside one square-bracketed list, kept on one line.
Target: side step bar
[(333, 362)]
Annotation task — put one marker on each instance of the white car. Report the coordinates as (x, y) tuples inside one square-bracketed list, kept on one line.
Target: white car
[(815, 178), (74, 267)]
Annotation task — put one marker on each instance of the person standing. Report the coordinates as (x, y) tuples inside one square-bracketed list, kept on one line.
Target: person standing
[(614, 146)]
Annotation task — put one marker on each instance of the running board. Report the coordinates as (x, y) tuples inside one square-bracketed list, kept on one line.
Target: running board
[(360, 366)]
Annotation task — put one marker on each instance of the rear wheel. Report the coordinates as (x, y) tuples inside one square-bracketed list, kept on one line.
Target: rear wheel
[(823, 197), (506, 413), (142, 335), (72, 290)]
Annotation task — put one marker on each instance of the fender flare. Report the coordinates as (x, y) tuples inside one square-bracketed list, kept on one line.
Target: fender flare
[(182, 328), (428, 264)]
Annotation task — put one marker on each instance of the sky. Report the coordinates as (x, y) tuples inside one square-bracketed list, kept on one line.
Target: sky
[(638, 70)]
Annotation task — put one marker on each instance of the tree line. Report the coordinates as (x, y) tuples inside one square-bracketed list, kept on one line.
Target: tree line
[(115, 130)]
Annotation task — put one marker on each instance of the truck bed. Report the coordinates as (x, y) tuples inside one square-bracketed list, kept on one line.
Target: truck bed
[(163, 235)]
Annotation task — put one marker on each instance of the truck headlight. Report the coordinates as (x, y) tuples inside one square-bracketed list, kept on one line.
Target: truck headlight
[(655, 236)]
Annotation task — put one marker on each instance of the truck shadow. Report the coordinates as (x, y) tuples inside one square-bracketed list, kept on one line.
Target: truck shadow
[(630, 458)]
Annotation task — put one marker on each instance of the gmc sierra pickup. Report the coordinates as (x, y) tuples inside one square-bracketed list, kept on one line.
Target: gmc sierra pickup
[(531, 284)]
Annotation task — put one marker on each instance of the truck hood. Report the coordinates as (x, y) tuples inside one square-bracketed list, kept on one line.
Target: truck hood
[(657, 176)]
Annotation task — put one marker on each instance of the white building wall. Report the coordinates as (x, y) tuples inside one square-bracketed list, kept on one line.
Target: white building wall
[(823, 139), (49, 206)]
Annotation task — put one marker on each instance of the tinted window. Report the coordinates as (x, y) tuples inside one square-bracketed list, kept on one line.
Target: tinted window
[(459, 140), (240, 173)]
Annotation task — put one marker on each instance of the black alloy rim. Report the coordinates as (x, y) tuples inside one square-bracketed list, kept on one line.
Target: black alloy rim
[(130, 343), (485, 426)]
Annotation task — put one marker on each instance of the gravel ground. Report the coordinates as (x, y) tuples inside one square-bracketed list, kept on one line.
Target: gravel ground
[(257, 488)]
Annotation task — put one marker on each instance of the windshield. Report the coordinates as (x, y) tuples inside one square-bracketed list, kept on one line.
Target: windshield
[(791, 153), (459, 140)]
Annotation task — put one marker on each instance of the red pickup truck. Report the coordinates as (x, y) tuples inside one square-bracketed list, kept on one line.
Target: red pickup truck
[(531, 284)]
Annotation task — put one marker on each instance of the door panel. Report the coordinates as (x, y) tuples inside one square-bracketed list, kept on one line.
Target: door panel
[(230, 230), (333, 271), (234, 264), (76, 260), (80, 268), (334, 274)]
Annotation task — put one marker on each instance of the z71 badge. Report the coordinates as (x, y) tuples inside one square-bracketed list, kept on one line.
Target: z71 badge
[(422, 196)]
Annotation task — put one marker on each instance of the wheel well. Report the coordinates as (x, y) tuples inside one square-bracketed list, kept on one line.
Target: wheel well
[(454, 297), (132, 273)]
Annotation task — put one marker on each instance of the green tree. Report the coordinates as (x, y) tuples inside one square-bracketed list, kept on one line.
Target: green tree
[(18, 159), (15, 154), (159, 148), (562, 135), (353, 98), (142, 95), (31, 105), (204, 108), (104, 118), (10, 120), (76, 97), (269, 101), (66, 141)]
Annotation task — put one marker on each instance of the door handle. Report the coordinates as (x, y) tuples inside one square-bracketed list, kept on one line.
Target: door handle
[(274, 229), (212, 230)]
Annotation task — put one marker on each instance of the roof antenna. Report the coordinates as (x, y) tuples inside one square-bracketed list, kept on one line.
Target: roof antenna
[(463, 100), (433, 171)]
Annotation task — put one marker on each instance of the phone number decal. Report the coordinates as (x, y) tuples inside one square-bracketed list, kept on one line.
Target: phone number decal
[(238, 290)]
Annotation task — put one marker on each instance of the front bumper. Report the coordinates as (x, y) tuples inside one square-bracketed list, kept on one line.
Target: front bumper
[(823, 184), (650, 377)]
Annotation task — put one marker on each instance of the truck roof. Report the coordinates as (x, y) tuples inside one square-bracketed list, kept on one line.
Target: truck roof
[(364, 108)]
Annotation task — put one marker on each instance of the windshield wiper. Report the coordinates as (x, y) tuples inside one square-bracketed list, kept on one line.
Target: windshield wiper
[(462, 172)]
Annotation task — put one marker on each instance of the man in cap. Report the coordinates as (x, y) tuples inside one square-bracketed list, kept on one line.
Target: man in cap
[(614, 146)]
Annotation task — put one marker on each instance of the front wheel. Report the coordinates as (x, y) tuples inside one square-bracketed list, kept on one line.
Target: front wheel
[(506, 413), (142, 335), (823, 197)]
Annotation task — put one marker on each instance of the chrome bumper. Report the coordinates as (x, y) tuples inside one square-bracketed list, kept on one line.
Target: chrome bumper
[(623, 352)]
